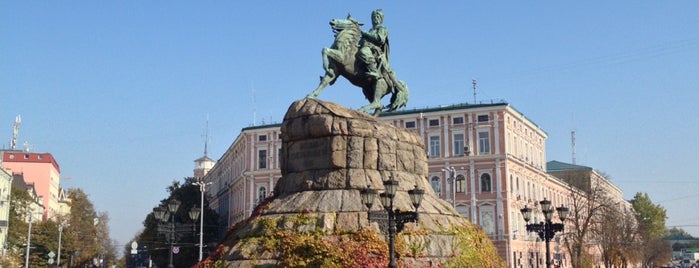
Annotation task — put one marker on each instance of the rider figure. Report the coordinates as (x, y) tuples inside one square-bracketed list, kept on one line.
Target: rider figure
[(374, 46)]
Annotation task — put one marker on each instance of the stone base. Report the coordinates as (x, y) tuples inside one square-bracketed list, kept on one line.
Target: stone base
[(329, 154)]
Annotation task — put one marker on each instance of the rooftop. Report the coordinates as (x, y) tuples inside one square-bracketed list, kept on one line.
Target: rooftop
[(557, 166)]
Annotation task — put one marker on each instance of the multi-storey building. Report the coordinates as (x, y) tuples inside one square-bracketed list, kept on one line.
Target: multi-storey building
[(487, 160), (41, 170), (35, 209), (5, 195)]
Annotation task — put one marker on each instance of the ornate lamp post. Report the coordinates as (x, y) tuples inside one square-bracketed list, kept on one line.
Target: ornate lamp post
[(546, 229), (167, 214), (396, 219)]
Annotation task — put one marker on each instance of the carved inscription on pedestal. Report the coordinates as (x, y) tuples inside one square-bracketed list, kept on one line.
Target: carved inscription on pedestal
[(309, 155)]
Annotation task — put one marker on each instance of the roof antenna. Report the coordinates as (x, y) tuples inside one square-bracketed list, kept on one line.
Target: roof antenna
[(572, 144), (473, 81), (254, 106), (206, 138), (15, 132)]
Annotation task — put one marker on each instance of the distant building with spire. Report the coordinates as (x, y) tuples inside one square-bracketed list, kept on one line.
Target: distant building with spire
[(203, 164)]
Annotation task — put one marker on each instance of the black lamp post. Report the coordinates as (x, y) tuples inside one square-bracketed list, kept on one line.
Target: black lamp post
[(396, 219), (167, 225), (546, 229)]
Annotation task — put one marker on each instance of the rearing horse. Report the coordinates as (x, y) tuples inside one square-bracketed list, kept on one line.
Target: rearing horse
[(341, 60)]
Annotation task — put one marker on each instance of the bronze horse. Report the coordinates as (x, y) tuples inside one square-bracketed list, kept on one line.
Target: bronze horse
[(341, 60)]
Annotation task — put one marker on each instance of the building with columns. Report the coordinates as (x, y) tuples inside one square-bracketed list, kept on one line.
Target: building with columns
[(487, 160)]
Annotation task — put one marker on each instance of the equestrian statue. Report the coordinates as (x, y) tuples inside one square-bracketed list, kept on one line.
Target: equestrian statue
[(362, 58)]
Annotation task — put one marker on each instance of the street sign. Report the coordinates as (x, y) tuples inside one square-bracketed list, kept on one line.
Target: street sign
[(51, 255)]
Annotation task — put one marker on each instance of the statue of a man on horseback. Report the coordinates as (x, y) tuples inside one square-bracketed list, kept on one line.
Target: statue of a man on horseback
[(362, 58), (374, 46)]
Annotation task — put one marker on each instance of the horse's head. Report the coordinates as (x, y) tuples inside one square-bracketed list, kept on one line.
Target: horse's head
[(339, 25)]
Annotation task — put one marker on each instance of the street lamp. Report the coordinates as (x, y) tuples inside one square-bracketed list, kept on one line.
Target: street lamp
[(29, 238), (450, 179), (60, 233), (396, 219), (202, 188), (167, 214), (546, 229)]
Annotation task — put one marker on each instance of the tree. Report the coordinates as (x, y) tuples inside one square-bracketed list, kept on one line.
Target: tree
[(152, 243), (651, 228), (81, 238), (588, 201), (17, 232), (617, 236), (675, 233)]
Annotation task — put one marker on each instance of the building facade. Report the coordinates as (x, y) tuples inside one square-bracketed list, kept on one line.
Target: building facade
[(5, 197), (487, 160), (40, 170), (36, 208)]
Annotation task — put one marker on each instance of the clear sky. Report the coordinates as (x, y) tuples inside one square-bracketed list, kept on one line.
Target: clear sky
[(119, 91)]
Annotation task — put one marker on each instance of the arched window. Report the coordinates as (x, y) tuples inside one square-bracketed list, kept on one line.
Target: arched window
[(460, 183), (261, 194), (485, 183), (436, 185)]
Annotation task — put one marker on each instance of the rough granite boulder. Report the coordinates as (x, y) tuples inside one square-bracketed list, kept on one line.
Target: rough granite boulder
[(329, 154)]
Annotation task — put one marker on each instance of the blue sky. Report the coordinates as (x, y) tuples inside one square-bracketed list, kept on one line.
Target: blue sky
[(119, 92)]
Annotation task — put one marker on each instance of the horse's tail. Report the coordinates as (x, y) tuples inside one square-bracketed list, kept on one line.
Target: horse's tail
[(400, 97)]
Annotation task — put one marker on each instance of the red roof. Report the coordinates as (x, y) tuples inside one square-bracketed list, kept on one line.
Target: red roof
[(26, 157)]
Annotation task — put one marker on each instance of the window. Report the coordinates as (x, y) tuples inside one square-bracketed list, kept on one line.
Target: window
[(483, 142), (457, 120), (434, 122), (459, 144), (261, 194), (410, 124), (460, 183), (279, 158), (262, 138), (434, 146), (485, 183), (435, 183), (487, 219), (483, 118), (262, 159)]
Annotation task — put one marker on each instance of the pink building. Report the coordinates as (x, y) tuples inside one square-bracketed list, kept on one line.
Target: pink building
[(41, 170), (487, 160)]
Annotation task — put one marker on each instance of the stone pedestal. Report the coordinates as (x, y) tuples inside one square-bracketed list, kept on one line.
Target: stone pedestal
[(329, 154)]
